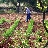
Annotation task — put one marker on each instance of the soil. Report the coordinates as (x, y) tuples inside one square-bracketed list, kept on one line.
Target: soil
[(23, 26)]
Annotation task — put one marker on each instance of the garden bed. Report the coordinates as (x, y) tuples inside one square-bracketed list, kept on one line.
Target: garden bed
[(37, 38)]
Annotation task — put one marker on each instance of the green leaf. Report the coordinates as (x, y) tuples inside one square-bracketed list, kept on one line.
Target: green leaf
[(11, 29)]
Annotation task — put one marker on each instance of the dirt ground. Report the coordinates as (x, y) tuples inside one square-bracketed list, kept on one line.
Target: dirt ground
[(23, 24)]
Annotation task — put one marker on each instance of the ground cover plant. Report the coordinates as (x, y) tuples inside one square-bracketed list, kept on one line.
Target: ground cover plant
[(46, 23), (2, 20), (11, 29), (15, 32), (26, 34), (30, 27)]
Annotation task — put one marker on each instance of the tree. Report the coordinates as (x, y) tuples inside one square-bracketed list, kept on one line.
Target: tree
[(43, 5), (32, 2), (2, 1)]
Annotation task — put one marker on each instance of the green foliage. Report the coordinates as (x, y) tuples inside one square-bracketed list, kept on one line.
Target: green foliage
[(46, 34), (7, 20), (2, 20), (10, 47), (10, 11), (1, 1), (46, 23), (33, 2), (44, 4), (29, 3), (38, 32), (39, 39), (30, 27), (26, 34), (38, 5), (23, 47), (25, 43), (11, 29)]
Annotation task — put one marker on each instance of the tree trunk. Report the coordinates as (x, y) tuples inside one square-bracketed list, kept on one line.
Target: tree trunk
[(43, 16), (18, 7), (43, 21)]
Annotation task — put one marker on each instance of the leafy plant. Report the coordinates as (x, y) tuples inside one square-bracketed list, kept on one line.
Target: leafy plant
[(28, 32), (30, 27), (11, 29), (39, 39), (10, 47), (2, 20), (46, 23), (25, 43), (7, 20), (46, 34), (38, 32)]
